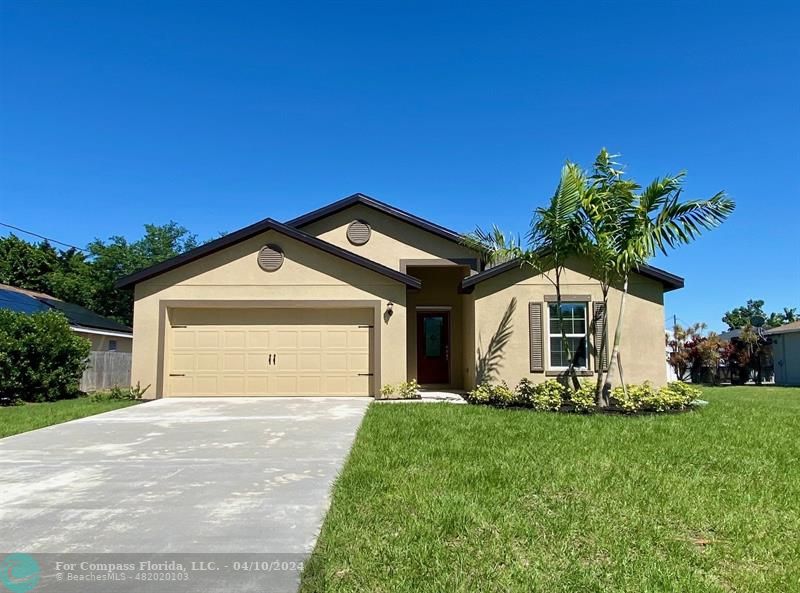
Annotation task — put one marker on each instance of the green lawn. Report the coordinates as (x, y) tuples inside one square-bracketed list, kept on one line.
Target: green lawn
[(16, 419), (442, 498)]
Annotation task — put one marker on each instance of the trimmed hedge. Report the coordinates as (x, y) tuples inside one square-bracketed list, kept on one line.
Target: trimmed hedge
[(41, 358), (553, 396)]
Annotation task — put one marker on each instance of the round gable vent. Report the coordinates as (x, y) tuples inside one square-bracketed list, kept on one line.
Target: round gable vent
[(270, 258), (358, 232)]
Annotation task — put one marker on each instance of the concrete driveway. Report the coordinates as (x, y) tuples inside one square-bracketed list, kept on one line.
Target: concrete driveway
[(215, 475)]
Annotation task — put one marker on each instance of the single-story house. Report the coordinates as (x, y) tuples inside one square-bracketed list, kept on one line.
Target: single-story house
[(104, 334), (786, 353), (358, 294)]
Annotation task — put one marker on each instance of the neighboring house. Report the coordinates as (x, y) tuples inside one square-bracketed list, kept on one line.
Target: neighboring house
[(358, 294), (786, 353), (104, 334)]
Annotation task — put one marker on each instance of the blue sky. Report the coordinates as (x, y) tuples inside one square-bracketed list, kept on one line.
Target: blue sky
[(218, 114)]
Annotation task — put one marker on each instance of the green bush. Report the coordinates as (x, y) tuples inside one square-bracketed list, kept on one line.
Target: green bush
[(676, 396), (673, 396), (552, 395), (41, 358), (386, 392), (493, 395), (408, 390), (548, 395), (584, 398), (632, 401)]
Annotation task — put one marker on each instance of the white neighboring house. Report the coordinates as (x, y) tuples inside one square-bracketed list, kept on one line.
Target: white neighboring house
[(105, 335), (786, 353), (671, 376)]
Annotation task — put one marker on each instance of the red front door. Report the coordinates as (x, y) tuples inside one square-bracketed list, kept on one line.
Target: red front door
[(433, 347)]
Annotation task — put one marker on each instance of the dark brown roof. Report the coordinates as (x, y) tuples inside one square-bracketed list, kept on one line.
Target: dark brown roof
[(254, 229), (370, 202), (670, 281)]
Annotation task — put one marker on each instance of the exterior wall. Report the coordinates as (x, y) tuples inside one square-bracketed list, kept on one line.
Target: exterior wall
[(100, 343), (642, 346), (232, 278), (439, 289), (468, 332), (391, 241), (787, 358)]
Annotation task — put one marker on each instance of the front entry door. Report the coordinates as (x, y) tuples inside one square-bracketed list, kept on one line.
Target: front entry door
[(433, 347)]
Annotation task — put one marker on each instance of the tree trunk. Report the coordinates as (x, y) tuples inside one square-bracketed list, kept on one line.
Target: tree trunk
[(600, 399), (614, 359)]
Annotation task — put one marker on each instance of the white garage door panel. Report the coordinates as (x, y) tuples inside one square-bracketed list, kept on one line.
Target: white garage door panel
[(227, 352)]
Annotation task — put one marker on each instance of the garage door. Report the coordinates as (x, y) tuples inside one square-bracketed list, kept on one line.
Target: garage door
[(269, 352)]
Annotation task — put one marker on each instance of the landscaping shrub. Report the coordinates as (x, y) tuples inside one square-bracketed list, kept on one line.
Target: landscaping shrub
[(540, 396), (673, 396), (386, 392), (493, 395), (553, 396), (406, 390), (583, 399), (41, 358)]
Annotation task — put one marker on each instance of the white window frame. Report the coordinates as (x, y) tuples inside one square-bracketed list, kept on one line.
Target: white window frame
[(584, 335)]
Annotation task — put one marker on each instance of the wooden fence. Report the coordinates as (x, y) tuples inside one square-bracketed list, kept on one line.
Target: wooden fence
[(106, 370)]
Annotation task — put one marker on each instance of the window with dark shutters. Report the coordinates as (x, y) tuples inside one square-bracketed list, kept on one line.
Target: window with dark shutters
[(536, 337)]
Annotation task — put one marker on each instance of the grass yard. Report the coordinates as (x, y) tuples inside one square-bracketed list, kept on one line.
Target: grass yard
[(16, 419), (450, 498)]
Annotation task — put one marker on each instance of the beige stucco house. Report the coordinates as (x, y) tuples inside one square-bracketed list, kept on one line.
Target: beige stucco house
[(358, 294)]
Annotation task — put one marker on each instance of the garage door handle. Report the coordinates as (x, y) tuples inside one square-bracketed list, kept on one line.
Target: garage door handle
[(177, 375), (269, 359)]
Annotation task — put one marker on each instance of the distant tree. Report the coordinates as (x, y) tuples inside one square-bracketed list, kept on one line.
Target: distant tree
[(788, 315), (115, 258), (26, 265), (88, 279), (741, 317)]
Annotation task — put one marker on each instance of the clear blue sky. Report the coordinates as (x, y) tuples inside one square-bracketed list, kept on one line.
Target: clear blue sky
[(218, 114)]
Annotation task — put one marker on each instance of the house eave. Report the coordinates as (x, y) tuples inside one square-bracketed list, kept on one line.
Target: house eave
[(668, 280)]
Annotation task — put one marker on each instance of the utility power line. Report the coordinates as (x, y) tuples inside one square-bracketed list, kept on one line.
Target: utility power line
[(48, 239)]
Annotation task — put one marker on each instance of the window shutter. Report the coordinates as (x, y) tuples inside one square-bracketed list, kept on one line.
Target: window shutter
[(536, 333), (600, 336)]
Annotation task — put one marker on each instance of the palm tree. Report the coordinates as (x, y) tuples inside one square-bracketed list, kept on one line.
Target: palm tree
[(636, 225), (555, 235), (606, 199)]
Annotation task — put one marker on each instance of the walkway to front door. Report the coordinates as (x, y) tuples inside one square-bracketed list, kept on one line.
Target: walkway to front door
[(433, 347)]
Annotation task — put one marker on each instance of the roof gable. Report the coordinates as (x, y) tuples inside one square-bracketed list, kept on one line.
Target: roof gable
[(383, 207), (256, 229)]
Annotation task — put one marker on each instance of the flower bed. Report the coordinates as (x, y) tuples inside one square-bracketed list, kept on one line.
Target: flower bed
[(555, 397)]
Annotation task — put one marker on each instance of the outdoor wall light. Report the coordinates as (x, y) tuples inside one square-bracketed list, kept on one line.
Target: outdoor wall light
[(390, 308)]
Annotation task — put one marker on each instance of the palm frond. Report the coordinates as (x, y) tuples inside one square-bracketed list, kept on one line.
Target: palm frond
[(682, 222), (495, 246)]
